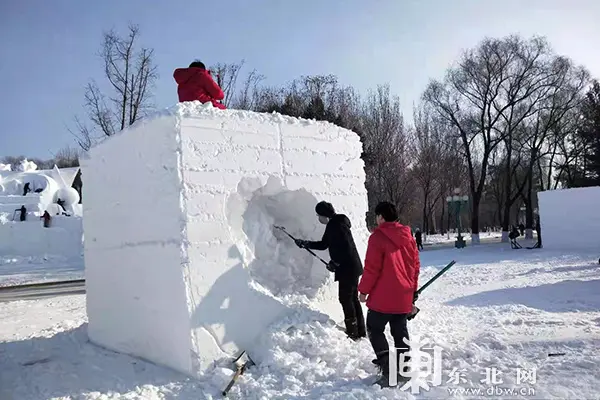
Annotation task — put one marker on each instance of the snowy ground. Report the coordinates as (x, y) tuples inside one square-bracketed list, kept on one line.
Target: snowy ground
[(21, 270), (496, 307), (484, 237)]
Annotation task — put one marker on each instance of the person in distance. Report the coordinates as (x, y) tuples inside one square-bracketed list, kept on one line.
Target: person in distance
[(389, 286), (196, 83), (345, 264)]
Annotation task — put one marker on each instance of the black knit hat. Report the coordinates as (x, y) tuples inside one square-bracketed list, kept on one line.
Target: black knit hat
[(325, 209), (197, 64)]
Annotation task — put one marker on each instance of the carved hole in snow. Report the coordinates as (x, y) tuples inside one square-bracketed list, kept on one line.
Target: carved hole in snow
[(273, 259)]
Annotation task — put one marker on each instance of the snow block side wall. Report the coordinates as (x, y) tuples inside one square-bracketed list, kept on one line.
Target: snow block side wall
[(196, 271), (136, 300), (570, 219)]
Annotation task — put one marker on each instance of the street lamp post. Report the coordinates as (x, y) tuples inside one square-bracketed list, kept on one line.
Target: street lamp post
[(456, 202)]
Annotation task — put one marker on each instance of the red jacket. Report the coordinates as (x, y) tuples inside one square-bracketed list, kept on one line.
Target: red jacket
[(198, 84), (391, 271)]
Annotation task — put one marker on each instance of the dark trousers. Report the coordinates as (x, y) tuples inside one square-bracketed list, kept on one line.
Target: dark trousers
[(353, 314), (376, 323)]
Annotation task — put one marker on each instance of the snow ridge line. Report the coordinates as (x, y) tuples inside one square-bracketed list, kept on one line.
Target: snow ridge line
[(184, 245), (73, 282), (281, 154)]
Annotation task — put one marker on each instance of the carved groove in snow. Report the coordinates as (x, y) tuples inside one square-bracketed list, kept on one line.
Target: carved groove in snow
[(273, 259)]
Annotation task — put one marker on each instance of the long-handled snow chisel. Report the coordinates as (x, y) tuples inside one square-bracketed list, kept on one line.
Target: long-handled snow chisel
[(429, 282), (242, 362), (281, 228)]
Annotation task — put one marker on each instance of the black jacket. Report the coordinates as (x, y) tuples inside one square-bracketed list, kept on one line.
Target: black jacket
[(418, 237), (342, 249)]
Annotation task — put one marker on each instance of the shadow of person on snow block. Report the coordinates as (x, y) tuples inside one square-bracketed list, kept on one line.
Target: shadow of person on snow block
[(563, 296), (266, 264), (233, 312)]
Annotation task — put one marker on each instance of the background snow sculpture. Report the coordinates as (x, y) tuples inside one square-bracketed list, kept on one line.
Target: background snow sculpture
[(566, 214), (65, 235), (27, 166), (193, 216)]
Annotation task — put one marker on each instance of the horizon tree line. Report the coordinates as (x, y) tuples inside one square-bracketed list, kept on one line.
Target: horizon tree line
[(509, 118)]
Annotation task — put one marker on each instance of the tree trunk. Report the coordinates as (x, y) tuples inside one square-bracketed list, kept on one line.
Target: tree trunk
[(424, 227), (506, 222), (529, 221), (448, 220), (442, 217), (475, 219)]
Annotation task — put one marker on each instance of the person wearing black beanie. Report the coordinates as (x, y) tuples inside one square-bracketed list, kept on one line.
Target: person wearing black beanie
[(345, 264)]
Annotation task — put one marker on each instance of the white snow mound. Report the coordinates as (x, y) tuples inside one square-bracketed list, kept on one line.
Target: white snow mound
[(27, 166)]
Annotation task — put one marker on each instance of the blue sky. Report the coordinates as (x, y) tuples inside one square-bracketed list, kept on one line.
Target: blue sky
[(48, 48)]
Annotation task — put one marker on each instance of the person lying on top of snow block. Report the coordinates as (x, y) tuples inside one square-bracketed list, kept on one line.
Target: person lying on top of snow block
[(196, 83)]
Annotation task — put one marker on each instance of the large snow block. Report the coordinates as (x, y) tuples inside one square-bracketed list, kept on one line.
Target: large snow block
[(570, 219), (183, 264)]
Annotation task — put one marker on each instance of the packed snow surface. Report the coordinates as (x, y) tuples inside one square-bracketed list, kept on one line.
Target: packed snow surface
[(496, 308), (20, 270)]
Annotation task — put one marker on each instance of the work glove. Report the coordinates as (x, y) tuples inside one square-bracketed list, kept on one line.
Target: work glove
[(301, 243), (413, 313), (331, 265)]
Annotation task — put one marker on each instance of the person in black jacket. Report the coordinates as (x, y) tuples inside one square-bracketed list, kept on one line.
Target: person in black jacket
[(419, 239), (345, 263)]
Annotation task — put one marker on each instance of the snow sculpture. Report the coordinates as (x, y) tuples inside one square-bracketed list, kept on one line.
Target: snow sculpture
[(68, 195), (27, 166), (569, 218), (44, 185), (183, 266)]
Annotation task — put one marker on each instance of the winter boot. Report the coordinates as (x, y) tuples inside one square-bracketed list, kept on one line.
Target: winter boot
[(401, 368), (384, 371), (352, 328), (360, 324)]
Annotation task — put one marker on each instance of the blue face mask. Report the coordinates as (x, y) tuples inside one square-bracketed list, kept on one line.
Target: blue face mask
[(323, 220)]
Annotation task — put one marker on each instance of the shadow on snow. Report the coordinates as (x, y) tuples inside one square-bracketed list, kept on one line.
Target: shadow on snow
[(563, 296)]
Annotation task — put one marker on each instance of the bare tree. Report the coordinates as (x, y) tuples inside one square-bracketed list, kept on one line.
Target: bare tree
[(554, 117), (486, 96), (226, 75), (386, 151), (247, 99), (131, 73), (428, 150), (67, 157)]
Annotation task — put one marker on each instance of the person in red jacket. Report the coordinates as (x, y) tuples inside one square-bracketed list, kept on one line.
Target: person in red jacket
[(196, 83), (389, 285)]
